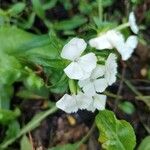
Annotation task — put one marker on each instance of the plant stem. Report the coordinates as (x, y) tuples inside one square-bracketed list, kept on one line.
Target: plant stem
[(100, 9), (125, 25), (107, 93)]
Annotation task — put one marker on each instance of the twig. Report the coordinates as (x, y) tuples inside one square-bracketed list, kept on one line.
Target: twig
[(85, 138), (31, 141), (120, 85), (109, 94)]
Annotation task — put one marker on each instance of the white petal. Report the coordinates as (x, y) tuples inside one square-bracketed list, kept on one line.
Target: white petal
[(116, 39), (87, 63), (74, 71), (132, 22), (73, 49), (99, 71), (83, 101), (132, 41), (89, 89), (100, 42), (82, 83), (99, 101), (111, 69), (91, 106), (100, 85), (130, 45), (67, 103)]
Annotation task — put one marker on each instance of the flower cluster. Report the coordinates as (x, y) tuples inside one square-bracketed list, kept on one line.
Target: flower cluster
[(93, 78)]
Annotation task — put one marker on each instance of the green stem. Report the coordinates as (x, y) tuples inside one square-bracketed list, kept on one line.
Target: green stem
[(107, 93), (30, 126), (100, 9), (72, 86), (122, 26)]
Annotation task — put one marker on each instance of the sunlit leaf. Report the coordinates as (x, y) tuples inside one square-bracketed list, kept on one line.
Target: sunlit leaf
[(114, 134)]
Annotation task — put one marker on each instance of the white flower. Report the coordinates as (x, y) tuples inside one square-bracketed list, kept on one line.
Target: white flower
[(98, 102), (111, 69), (107, 73), (94, 84), (107, 40), (101, 42), (132, 22), (80, 67), (71, 104), (124, 48)]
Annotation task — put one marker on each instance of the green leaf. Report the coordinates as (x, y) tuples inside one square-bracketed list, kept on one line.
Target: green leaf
[(145, 144), (6, 116), (15, 37), (13, 130), (107, 3), (37, 6), (50, 4), (16, 9), (65, 147), (70, 24), (114, 134), (127, 107), (47, 62), (5, 96), (10, 69), (25, 144)]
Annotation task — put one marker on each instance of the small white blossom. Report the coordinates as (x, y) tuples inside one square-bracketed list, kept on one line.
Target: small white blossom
[(94, 83), (101, 77), (80, 67), (132, 22), (72, 103)]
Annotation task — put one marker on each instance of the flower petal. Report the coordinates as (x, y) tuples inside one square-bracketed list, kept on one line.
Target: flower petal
[(73, 49), (132, 22), (116, 39), (100, 85), (130, 45), (67, 103), (82, 83), (132, 41), (83, 101), (87, 63), (99, 101), (89, 89), (91, 106), (111, 69), (99, 71), (100, 42), (74, 71)]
